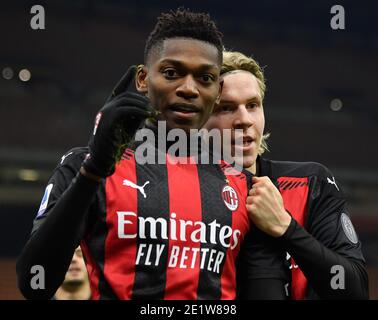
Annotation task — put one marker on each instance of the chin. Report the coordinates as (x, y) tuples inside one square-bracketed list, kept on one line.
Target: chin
[(74, 280), (183, 125), (248, 162)]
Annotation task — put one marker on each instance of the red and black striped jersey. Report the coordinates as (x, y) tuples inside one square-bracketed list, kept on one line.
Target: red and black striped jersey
[(316, 201), (160, 231)]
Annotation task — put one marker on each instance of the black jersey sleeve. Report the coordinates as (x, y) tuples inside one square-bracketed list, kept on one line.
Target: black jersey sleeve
[(58, 227), (328, 250), (261, 268)]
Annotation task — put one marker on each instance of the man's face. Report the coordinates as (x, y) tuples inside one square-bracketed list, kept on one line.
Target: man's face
[(241, 107), (182, 81), (77, 272)]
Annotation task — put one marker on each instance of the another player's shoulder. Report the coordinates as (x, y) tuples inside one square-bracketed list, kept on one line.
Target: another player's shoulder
[(321, 178), (297, 169)]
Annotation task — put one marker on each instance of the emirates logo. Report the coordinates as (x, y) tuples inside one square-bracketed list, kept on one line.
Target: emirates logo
[(230, 198)]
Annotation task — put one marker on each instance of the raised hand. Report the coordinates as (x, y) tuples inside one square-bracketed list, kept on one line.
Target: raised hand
[(115, 125)]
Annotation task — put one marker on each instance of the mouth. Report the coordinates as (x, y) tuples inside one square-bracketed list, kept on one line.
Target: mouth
[(244, 142), (183, 110), (74, 270)]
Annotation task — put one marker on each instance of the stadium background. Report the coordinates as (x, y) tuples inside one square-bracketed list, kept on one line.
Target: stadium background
[(321, 104)]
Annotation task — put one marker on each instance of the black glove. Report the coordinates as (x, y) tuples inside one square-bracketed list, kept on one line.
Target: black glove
[(115, 126)]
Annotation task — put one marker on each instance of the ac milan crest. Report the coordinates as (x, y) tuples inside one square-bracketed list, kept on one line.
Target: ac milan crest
[(230, 198)]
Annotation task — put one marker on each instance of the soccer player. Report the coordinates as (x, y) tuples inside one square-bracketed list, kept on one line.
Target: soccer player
[(306, 215), (148, 231), (76, 283)]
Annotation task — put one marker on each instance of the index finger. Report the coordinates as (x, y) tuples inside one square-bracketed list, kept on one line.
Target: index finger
[(260, 178), (124, 83)]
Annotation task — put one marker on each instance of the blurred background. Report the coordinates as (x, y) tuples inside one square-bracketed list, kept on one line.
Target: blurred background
[(321, 103)]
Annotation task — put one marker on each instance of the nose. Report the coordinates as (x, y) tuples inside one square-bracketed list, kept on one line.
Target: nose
[(188, 88), (74, 259), (243, 119)]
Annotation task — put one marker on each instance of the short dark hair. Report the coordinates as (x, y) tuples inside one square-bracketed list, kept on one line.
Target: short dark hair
[(186, 24)]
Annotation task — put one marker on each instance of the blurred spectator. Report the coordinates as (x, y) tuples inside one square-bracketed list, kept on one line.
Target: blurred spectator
[(76, 284)]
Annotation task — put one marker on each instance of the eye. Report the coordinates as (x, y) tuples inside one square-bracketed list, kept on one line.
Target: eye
[(252, 105), (207, 78), (170, 73), (224, 108)]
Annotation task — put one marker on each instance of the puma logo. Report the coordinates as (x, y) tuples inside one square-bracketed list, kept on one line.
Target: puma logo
[(292, 264), (333, 182), (65, 156), (135, 186)]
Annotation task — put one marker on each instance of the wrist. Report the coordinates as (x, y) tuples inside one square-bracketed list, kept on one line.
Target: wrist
[(285, 223), (290, 230), (89, 175)]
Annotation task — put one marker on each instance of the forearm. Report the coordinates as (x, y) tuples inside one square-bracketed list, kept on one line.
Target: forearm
[(53, 244), (316, 262)]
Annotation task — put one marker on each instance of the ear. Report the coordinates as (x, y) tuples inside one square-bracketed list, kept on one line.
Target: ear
[(219, 92), (141, 79)]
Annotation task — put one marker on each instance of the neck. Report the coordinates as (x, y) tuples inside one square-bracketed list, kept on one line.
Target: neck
[(81, 292), (254, 168)]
